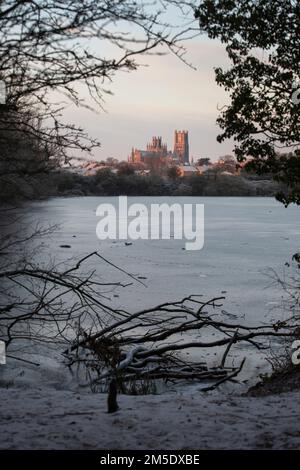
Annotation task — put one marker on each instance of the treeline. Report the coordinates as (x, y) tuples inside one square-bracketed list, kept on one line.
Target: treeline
[(105, 182), (108, 183)]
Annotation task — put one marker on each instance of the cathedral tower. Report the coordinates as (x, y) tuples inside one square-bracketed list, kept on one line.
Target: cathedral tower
[(181, 146)]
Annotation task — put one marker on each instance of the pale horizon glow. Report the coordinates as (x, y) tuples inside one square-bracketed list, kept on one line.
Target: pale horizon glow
[(161, 96)]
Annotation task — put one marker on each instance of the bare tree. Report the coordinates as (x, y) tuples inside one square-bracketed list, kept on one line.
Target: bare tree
[(68, 306), (41, 304), (53, 48)]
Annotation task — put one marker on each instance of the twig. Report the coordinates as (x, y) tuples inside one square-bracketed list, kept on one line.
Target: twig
[(228, 377)]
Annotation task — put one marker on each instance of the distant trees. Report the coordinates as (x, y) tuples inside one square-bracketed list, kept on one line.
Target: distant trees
[(227, 163), (104, 182), (262, 40), (211, 183), (107, 183), (173, 172), (125, 168), (204, 161)]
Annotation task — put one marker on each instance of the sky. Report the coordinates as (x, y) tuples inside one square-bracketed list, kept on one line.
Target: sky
[(164, 94)]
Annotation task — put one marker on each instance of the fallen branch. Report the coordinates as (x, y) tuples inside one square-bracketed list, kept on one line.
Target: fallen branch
[(152, 344)]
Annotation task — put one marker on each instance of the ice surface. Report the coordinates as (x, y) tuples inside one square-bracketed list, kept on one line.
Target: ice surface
[(243, 238)]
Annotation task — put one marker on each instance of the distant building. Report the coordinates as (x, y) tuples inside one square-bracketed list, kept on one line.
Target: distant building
[(156, 146), (181, 146), (187, 170), (157, 154)]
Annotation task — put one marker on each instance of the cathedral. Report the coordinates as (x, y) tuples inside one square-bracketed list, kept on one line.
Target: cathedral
[(157, 154)]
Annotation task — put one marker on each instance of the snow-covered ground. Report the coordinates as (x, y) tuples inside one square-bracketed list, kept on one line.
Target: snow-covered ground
[(44, 409), (40, 418)]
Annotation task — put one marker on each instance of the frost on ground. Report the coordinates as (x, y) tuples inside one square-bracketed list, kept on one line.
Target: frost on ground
[(40, 419), (50, 416), (49, 412)]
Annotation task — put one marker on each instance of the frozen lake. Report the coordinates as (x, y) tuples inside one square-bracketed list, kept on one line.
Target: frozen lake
[(244, 237)]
